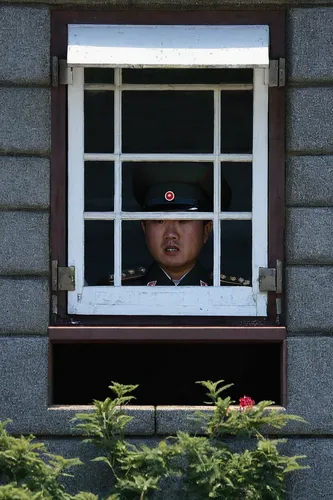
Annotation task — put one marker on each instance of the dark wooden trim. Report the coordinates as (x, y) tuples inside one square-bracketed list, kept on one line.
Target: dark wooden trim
[(109, 16), (58, 220), (50, 374), (283, 366), (166, 334), (276, 174), (59, 21)]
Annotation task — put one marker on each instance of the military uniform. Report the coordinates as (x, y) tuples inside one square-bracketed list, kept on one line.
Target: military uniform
[(179, 187), (155, 276)]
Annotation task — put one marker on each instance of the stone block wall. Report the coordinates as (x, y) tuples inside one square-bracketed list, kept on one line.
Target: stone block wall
[(24, 248)]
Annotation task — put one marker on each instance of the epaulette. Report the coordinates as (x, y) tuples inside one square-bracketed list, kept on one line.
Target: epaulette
[(128, 274), (232, 280)]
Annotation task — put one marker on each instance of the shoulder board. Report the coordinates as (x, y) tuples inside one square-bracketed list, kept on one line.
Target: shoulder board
[(129, 274), (232, 280)]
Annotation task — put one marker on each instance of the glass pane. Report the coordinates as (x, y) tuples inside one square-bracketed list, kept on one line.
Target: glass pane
[(236, 249), (98, 122), (167, 253), (167, 122), (238, 186), (98, 75), (166, 76), (98, 252), (98, 186), (145, 186), (236, 121)]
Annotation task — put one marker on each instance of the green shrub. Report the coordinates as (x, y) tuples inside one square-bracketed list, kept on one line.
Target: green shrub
[(29, 472), (205, 464)]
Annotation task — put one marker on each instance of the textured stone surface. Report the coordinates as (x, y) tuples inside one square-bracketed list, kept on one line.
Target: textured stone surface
[(309, 181), (23, 375), (24, 393), (25, 120), (309, 299), (309, 124), (24, 243), (309, 236), (315, 483), (25, 182), (171, 419), (25, 45), (310, 45), (24, 305), (310, 383), (310, 484)]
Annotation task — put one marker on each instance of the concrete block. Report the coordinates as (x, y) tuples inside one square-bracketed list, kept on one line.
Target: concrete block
[(24, 305), (310, 484), (309, 181), (23, 375), (309, 236), (60, 419), (25, 45), (309, 299), (171, 419), (95, 477), (310, 45), (24, 367), (309, 124), (315, 483), (310, 383), (24, 243), (25, 182), (25, 121)]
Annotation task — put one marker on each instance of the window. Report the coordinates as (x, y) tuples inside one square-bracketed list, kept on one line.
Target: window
[(113, 122), (139, 101)]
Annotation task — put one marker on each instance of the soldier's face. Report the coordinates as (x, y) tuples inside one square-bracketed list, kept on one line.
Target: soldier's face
[(175, 244)]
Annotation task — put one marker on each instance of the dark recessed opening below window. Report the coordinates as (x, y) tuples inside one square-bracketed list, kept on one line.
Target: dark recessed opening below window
[(166, 373)]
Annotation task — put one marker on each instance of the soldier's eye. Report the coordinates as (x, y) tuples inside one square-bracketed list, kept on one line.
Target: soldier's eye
[(183, 221)]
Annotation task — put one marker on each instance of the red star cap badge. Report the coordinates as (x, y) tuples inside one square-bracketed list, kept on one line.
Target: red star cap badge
[(169, 196)]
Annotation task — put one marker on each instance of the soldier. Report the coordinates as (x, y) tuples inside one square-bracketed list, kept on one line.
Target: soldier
[(174, 244)]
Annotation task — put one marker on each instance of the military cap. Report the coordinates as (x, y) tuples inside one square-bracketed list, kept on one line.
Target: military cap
[(176, 186)]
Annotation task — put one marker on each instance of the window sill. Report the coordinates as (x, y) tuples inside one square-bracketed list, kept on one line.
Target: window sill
[(167, 334), (149, 420), (143, 423)]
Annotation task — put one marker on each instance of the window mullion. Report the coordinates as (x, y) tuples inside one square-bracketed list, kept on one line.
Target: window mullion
[(117, 178), (260, 183), (76, 178), (217, 187)]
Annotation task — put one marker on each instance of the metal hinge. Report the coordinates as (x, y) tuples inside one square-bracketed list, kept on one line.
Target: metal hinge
[(277, 72), (63, 278), (270, 278), (61, 73)]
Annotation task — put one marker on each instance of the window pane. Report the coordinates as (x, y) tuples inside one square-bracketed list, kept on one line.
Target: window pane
[(98, 252), (166, 76), (238, 177), (236, 121), (98, 122), (167, 122), (236, 249), (98, 75), (144, 183), (98, 186), (167, 253)]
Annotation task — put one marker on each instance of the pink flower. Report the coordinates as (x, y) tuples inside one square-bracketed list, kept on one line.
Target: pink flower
[(246, 402)]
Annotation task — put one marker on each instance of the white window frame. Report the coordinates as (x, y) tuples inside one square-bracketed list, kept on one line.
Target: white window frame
[(189, 301)]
